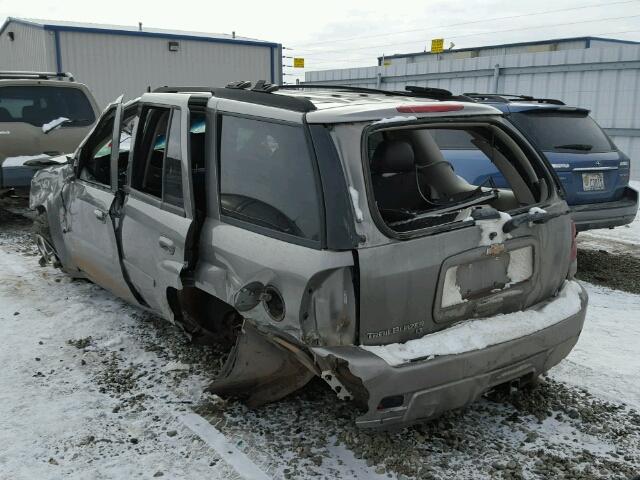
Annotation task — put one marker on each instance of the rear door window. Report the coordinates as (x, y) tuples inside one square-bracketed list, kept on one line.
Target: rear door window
[(267, 177), (37, 105), (172, 179), (157, 159), (150, 150), (562, 131)]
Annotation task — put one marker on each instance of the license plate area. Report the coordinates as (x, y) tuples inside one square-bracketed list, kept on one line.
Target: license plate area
[(592, 181), (485, 282)]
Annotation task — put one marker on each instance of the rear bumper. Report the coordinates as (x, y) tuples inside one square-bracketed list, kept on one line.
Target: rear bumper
[(607, 214), (430, 387)]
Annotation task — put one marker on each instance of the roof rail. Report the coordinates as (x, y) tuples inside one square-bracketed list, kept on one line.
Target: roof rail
[(409, 91), (507, 97), (345, 88), (35, 75), (260, 95)]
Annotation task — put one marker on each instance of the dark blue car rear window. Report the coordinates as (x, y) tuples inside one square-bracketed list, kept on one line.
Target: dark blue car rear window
[(563, 131)]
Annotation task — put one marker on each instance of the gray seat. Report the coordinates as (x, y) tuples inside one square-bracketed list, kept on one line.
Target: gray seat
[(5, 116), (393, 174)]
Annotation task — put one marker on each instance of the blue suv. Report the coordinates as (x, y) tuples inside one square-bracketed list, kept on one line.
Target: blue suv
[(593, 172)]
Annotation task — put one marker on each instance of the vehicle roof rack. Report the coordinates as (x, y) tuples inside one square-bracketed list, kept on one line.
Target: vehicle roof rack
[(10, 75), (507, 97), (409, 91), (240, 91)]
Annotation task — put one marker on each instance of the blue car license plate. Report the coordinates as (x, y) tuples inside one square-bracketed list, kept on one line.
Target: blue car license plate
[(592, 181)]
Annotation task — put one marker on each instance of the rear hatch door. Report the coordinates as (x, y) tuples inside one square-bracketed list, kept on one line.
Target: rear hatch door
[(418, 286)]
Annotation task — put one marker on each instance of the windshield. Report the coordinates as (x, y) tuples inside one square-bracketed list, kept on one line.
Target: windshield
[(37, 105), (560, 131)]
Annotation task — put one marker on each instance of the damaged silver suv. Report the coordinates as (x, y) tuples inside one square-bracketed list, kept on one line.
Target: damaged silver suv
[(323, 231)]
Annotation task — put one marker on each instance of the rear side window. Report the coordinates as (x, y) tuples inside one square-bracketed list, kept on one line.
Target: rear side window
[(567, 131), (37, 105), (172, 180), (267, 177), (150, 150), (157, 160)]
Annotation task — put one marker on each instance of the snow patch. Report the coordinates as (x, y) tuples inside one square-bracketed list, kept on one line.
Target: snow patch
[(175, 366), (520, 265), (396, 119), (491, 230), (54, 123), (19, 161), (481, 333), (536, 210), (451, 294), (355, 199)]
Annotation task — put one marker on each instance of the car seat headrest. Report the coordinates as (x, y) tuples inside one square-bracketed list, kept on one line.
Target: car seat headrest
[(393, 156)]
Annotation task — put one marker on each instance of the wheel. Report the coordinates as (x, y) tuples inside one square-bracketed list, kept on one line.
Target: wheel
[(42, 238)]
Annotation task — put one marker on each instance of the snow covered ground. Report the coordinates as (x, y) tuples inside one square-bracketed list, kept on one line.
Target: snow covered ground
[(606, 359), (93, 388)]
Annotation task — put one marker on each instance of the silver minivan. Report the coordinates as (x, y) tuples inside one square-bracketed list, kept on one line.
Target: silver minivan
[(323, 232)]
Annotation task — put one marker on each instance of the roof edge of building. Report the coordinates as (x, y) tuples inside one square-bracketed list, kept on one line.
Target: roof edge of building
[(136, 33), (516, 44)]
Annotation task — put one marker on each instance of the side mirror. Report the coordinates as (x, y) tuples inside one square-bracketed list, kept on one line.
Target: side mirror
[(54, 124)]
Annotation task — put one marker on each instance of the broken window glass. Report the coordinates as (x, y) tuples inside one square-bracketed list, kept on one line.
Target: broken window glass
[(424, 177)]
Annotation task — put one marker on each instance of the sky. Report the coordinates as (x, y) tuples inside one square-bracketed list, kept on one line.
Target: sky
[(343, 34)]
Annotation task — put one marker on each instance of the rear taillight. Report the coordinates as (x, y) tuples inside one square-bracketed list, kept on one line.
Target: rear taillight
[(438, 107), (574, 245)]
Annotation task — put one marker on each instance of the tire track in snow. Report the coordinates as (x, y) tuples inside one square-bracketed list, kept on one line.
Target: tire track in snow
[(215, 439)]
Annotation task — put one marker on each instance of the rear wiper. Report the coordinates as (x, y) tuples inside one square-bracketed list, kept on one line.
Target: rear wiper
[(533, 216), (575, 146)]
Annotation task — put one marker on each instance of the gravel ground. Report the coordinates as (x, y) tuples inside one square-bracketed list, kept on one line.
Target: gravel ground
[(550, 431), (613, 270)]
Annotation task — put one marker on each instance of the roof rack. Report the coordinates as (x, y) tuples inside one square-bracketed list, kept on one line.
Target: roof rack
[(409, 90), (242, 91), (507, 97), (35, 75), (258, 95)]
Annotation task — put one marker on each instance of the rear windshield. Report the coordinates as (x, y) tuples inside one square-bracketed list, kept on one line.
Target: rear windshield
[(37, 105), (560, 132), (432, 175)]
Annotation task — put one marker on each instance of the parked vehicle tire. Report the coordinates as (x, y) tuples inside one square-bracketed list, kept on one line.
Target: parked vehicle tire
[(42, 237)]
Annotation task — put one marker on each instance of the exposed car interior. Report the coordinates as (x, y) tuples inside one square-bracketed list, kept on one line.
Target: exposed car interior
[(416, 187)]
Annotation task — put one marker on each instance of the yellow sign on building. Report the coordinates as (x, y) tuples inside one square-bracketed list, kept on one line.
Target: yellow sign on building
[(298, 62), (437, 45)]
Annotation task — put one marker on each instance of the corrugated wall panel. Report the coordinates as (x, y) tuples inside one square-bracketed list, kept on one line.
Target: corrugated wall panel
[(118, 64), (605, 80), (31, 49)]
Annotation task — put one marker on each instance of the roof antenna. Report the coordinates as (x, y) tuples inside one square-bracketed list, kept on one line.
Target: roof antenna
[(139, 26)]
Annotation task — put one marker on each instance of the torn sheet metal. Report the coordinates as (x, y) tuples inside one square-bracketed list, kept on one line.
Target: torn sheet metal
[(262, 368)]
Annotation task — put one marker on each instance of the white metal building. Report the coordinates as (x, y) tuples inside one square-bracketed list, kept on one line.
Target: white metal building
[(114, 60), (596, 73)]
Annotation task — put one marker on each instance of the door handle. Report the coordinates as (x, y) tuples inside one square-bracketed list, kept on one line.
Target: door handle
[(100, 215), (167, 244)]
